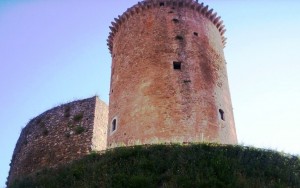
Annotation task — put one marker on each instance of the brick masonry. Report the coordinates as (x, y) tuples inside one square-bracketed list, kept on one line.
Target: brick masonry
[(151, 101), (60, 135)]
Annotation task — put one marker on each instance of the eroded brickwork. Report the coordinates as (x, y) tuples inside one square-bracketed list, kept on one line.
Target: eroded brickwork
[(60, 135), (169, 80)]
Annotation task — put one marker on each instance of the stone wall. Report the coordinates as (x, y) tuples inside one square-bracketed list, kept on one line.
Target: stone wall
[(60, 135), (169, 79), (99, 137)]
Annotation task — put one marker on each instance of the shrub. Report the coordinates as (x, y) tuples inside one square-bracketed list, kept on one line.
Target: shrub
[(78, 117), (79, 129)]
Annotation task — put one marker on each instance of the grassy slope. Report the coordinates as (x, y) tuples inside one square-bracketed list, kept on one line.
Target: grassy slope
[(196, 165)]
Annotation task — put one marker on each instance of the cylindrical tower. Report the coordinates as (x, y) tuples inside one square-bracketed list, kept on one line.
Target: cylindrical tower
[(169, 80)]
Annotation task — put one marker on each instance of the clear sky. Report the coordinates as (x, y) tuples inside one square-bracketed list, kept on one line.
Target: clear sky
[(54, 51)]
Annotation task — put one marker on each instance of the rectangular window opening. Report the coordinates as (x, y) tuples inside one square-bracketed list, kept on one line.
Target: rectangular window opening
[(175, 20), (196, 34), (177, 65), (222, 114), (179, 37), (161, 4), (113, 125)]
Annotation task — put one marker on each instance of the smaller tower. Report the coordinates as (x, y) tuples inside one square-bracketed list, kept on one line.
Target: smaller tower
[(169, 80), (60, 135)]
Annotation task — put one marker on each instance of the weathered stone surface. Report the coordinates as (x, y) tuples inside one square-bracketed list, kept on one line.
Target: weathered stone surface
[(60, 135), (168, 84), (153, 102)]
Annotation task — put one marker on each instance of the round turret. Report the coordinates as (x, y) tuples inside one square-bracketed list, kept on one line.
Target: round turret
[(169, 80)]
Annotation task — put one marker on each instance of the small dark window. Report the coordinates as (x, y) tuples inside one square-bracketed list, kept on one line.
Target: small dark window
[(175, 20), (196, 34), (113, 125), (176, 65), (180, 4), (179, 37), (161, 4), (222, 114)]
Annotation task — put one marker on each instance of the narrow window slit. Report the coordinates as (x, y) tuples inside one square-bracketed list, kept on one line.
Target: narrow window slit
[(113, 125), (222, 114), (176, 65)]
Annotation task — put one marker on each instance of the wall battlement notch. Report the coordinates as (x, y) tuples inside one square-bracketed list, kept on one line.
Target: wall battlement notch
[(148, 4)]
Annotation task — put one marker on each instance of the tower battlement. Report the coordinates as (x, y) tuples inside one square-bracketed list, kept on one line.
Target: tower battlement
[(148, 4)]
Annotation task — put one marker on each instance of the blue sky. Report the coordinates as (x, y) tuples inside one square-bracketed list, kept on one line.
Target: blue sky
[(54, 51)]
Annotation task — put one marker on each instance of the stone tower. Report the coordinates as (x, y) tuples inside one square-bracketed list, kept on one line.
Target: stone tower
[(169, 79), (60, 135)]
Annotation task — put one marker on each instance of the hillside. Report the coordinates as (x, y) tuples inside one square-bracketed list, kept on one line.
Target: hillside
[(195, 165)]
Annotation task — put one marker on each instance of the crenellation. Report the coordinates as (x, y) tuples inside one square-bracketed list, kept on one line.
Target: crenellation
[(150, 4), (199, 7), (204, 10), (223, 31), (193, 6), (219, 24), (216, 20), (221, 28), (213, 16), (208, 14)]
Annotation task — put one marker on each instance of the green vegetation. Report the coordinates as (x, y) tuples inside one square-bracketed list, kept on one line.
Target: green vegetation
[(79, 129), (195, 165), (78, 117)]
